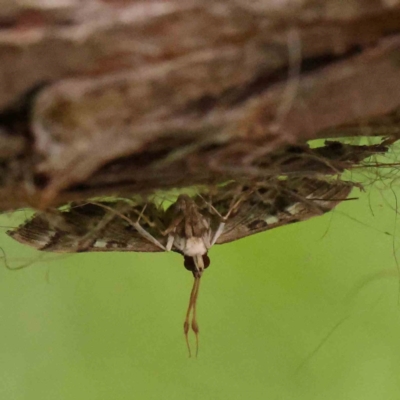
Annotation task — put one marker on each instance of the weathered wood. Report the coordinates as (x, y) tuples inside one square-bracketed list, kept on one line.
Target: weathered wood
[(109, 97)]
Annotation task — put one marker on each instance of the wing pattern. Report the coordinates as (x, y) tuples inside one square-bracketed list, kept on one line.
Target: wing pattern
[(89, 227), (281, 203), (249, 209)]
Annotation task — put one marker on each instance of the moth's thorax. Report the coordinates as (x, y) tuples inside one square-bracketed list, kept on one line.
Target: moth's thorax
[(192, 234)]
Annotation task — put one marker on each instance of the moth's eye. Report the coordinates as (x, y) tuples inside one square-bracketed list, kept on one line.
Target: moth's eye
[(189, 264), (206, 261)]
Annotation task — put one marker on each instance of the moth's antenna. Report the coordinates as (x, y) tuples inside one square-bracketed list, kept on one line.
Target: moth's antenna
[(186, 323), (195, 326)]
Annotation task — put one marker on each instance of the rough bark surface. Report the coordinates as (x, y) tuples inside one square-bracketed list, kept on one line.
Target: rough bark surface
[(126, 96)]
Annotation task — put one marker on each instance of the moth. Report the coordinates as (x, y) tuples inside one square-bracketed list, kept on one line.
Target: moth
[(189, 226)]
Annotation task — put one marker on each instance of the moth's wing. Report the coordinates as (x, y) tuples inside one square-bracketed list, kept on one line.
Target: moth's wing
[(89, 227), (281, 203)]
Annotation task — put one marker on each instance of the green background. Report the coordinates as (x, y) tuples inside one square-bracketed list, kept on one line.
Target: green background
[(306, 311)]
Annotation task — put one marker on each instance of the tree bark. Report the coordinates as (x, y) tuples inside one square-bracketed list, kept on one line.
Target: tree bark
[(118, 97)]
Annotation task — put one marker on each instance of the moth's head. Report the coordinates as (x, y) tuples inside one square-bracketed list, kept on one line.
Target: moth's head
[(197, 264)]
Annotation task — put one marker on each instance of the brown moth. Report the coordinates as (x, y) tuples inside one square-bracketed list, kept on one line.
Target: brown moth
[(190, 226)]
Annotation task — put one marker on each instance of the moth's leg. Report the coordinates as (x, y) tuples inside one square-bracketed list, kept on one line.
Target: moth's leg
[(218, 233), (144, 233), (172, 226), (224, 218), (170, 242), (231, 208), (147, 235), (142, 216), (171, 230), (136, 225), (207, 239), (213, 209)]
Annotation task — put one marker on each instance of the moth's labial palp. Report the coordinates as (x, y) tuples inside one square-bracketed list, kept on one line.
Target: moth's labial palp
[(191, 266)]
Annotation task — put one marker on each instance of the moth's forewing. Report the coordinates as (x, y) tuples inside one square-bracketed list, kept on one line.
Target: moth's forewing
[(279, 203), (91, 227), (249, 209)]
